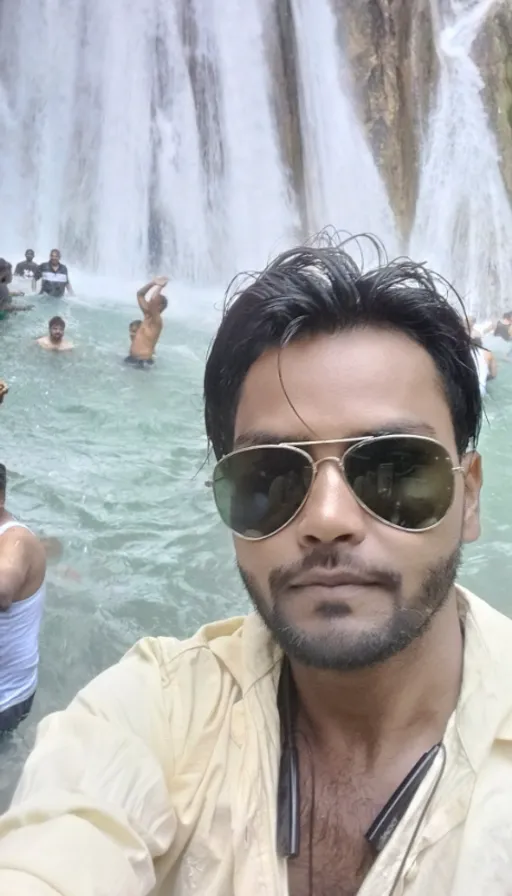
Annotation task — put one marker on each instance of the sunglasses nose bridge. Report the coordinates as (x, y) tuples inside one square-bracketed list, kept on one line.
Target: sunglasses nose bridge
[(332, 459)]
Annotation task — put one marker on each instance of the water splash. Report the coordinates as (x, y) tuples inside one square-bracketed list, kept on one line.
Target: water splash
[(463, 223)]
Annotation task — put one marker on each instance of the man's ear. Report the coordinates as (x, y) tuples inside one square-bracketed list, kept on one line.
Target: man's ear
[(472, 465)]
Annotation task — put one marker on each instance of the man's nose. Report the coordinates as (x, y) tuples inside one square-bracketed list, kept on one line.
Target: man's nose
[(331, 512)]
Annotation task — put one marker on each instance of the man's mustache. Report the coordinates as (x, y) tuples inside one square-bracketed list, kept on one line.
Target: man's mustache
[(333, 557)]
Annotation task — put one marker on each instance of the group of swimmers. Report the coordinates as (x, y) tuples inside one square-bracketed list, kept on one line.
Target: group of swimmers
[(54, 277)]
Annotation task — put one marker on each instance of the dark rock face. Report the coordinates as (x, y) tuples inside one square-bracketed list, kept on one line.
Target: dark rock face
[(493, 54), (391, 51), (282, 52)]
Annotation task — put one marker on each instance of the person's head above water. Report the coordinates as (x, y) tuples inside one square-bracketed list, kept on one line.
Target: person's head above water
[(163, 303), (30, 255), (133, 327), (55, 256), (347, 563), (56, 327)]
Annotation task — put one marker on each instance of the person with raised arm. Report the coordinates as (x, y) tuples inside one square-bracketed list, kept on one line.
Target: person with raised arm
[(145, 339)]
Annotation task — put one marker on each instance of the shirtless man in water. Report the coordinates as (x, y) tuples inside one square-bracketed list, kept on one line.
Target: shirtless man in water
[(54, 341), (148, 334)]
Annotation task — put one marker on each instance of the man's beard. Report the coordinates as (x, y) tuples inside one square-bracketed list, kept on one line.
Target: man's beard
[(337, 650)]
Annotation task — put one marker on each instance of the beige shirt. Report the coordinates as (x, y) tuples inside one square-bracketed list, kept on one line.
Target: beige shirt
[(160, 778)]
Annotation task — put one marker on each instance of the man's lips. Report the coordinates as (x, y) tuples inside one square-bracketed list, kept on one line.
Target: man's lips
[(334, 578)]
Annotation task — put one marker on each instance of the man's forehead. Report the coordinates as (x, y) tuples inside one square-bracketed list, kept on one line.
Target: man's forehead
[(348, 383)]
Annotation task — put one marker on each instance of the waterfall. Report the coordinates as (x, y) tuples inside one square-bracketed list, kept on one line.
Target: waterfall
[(342, 184), (141, 134), (155, 135), (463, 223)]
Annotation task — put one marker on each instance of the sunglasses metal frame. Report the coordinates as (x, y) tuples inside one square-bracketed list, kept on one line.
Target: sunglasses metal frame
[(353, 443)]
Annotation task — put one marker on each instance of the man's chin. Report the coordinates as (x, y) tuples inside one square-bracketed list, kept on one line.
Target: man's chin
[(336, 643)]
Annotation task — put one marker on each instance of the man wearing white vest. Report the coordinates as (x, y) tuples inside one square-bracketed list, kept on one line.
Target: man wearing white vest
[(22, 592)]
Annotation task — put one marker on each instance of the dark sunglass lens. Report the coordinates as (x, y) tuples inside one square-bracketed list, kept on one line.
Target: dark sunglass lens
[(258, 490), (406, 481)]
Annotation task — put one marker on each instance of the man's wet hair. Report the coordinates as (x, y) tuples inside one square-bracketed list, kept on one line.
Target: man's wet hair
[(164, 302), (56, 322), (134, 323), (3, 479), (55, 250), (321, 289), (29, 252), (5, 266)]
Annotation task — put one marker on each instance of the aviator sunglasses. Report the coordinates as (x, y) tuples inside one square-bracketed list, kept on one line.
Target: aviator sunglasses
[(404, 481)]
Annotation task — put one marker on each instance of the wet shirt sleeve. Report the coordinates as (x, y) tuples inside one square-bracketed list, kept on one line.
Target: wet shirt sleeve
[(92, 810)]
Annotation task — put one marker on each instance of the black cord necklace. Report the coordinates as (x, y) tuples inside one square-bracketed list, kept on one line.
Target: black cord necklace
[(288, 789)]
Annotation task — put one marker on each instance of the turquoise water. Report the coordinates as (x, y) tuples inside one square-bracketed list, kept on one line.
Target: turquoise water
[(111, 461)]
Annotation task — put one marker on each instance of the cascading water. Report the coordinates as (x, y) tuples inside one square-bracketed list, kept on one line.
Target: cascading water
[(342, 184), (463, 223), (150, 135), (138, 134)]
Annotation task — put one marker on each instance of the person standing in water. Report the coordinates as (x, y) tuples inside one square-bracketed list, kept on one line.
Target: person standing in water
[(148, 333), (54, 341), (485, 362), (54, 277), (27, 268), (503, 327), (6, 305), (486, 366), (22, 594)]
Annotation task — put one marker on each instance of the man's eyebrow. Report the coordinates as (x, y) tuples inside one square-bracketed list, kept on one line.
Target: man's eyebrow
[(396, 427), (260, 437)]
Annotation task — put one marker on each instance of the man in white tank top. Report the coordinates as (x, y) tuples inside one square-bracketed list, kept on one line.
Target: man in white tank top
[(22, 593)]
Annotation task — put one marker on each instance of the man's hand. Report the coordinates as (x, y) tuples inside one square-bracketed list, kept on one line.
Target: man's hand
[(4, 388), (161, 281)]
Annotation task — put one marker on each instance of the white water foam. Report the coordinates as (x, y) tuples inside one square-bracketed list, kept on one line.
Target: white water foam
[(143, 136), (101, 150), (343, 185), (463, 224)]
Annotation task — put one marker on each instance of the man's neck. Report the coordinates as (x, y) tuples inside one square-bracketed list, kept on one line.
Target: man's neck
[(373, 710)]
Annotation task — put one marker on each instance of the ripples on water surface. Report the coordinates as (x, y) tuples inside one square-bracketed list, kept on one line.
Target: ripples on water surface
[(110, 459)]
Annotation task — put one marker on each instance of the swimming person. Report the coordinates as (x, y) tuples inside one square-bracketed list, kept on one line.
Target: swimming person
[(354, 733), (54, 341), (22, 594), (54, 277), (132, 329), (148, 333), (4, 389), (27, 268)]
